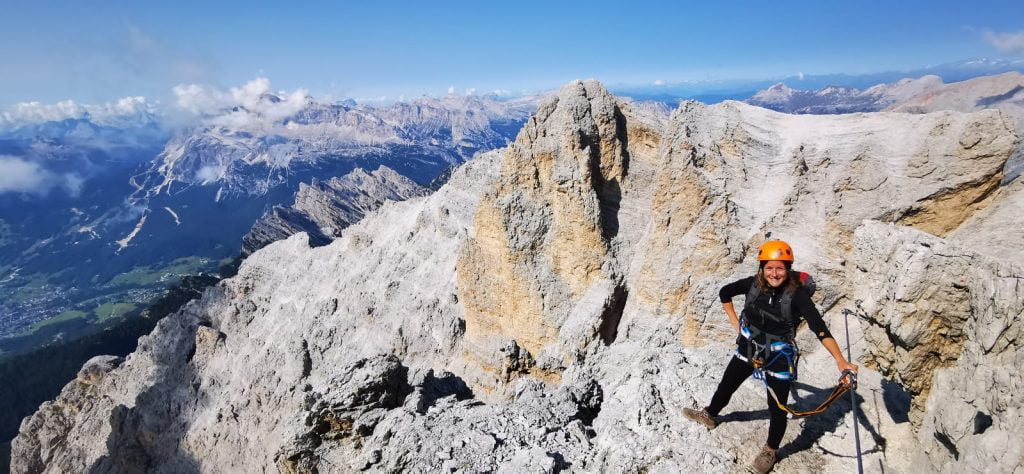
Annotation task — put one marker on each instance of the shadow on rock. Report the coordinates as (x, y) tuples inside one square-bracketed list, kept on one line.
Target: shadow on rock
[(815, 427), (433, 388), (897, 401), (147, 437)]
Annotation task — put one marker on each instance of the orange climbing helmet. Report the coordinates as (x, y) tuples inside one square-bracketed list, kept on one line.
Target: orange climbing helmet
[(775, 250)]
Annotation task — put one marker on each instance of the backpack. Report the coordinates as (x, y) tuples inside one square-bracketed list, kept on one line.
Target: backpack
[(786, 303)]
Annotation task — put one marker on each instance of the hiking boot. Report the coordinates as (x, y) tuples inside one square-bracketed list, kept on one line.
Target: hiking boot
[(764, 460), (700, 416)]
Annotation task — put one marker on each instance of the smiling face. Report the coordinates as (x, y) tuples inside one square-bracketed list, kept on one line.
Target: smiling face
[(775, 273)]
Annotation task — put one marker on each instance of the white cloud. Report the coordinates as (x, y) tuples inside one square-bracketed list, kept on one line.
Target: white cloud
[(800, 76), (1007, 43), (252, 106), (209, 174), (197, 99), (451, 90), (72, 183), (471, 91), (659, 82), (235, 120), (128, 109), (20, 176)]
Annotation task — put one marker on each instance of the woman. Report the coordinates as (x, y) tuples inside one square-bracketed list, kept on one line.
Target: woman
[(775, 303)]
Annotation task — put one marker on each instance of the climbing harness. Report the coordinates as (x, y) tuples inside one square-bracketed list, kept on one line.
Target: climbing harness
[(763, 356), (766, 355)]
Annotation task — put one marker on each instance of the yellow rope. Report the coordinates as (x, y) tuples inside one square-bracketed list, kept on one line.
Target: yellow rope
[(844, 386)]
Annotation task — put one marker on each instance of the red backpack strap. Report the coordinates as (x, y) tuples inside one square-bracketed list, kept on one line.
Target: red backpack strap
[(808, 281)]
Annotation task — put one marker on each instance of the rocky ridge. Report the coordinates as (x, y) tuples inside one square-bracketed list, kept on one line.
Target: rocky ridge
[(842, 100), (926, 94), (1004, 92), (945, 323), (199, 191), (245, 153), (323, 208), (553, 307)]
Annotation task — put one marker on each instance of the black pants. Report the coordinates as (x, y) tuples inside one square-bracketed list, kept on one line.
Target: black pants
[(735, 374)]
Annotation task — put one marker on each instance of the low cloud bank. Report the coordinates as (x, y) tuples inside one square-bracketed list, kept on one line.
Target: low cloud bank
[(20, 176), (126, 111), (253, 106)]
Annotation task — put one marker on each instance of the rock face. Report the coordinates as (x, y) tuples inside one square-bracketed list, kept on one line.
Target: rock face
[(1004, 92), (545, 236), (554, 307), (996, 230), (945, 322), (322, 209), (923, 95)]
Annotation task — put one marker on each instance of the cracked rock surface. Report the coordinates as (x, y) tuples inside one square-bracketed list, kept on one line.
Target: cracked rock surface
[(554, 307), (324, 208)]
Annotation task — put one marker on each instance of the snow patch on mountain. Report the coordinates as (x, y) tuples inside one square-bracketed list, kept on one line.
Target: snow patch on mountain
[(174, 215), (121, 244)]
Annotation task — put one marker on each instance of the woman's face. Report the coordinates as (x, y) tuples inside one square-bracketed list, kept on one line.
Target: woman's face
[(775, 273)]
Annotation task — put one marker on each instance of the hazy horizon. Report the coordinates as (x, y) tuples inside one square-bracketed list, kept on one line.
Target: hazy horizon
[(100, 53)]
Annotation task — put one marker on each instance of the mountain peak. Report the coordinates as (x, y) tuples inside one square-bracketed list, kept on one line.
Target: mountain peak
[(556, 302)]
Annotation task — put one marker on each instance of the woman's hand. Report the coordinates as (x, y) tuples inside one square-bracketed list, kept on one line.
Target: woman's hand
[(733, 319), (843, 366)]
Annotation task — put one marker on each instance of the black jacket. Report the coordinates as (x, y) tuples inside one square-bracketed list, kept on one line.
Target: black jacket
[(801, 307)]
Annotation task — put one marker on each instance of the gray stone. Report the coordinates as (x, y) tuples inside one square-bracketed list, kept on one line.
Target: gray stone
[(554, 307)]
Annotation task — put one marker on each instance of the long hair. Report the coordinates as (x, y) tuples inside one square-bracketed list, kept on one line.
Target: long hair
[(762, 282)]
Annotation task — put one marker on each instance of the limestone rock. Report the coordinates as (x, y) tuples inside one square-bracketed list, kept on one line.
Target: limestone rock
[(323, 209), (946, 323), (1004, 92), (996, 230), (554, 307), (542, 257)]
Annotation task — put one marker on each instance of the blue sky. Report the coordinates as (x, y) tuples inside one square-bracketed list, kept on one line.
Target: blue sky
[(93, 52)]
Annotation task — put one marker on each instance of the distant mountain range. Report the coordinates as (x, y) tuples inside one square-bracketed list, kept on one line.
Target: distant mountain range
[(103, 208), (252, 156), (106, 213), (841, 100), (927, 94), (714, 91)]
